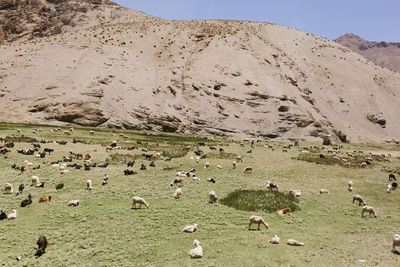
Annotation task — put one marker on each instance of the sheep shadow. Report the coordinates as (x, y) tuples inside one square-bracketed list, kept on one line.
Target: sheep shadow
[(254, 229), (395, 251), (137, 208)]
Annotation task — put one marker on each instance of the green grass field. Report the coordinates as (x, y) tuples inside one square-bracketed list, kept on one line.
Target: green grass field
[(104, 231)]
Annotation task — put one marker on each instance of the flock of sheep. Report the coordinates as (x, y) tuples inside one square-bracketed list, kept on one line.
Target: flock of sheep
[(179, 180)]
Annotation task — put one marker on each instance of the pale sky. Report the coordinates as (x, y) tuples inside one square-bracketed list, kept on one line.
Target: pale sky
[(374, 20)]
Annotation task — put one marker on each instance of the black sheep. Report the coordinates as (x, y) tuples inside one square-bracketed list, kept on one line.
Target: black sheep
[(152, 164), (42, 245), (131, 163), (20, 189), (394, 185), (3, 215), (392, 177), (27, 202), (40, 185), (142, 167)]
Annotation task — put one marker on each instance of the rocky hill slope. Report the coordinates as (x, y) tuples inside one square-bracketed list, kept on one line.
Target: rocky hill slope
[(385, 54), (217, 77), (27, 19)]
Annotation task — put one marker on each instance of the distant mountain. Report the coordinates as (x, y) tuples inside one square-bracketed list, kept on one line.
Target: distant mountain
[(22, 20), (385, 54)]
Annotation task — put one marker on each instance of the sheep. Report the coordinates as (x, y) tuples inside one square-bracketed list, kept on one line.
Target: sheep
[(197, 252), (89, 184), (219, 166), (190, 228), (35, 180), (239, 159), (368, 209), (258, 220), (42, 245), (195, 178), (105, 179), (8, 188), (197, 159), (178, 193), (396, 242), (248, 169), (140, 201), (213, 197), (275, 240), (323, 191), (40, 185), (283, 211), (207, 165), (212, 180), (292, 242), (350, 186), (271, 185), (20, 189), (3, 215), (234, 165), (13, 215), (295, 193), (363, 165), (359, 199), (91, 132), (394, 185), (73, 203), (392, 177), (177, 180), (389, 188), (27, 202), (45, 198)]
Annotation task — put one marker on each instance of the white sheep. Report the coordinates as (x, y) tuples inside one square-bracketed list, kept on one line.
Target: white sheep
[(195, 178), (396, 242), (35, 180), (389, 188), (323, 191), (370, 210), (258, 220), (213, 197), (207, 165), (73, 203), (197, 159), (275, 240), (350, 186), (238, 158), (140, 201), (234, 164), (13, 215), (178, 193), (190, 228), (292, 242), (359, 199), (219, 166), (89, 184), (248, 169), (197, 252), (91, 132), (295, 193), (8, 188)]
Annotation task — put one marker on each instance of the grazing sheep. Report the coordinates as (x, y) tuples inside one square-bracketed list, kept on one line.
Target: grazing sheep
[(275, 240), (178, 193), (190, 228), (323, 191), (389, 188), (219, 166), (212, 180), (213, 197), (177, 180), (239, 159), (292, 242), (20, 189), (140, 201), (396, 242), (73, 203), (42, 245), (3, 215), (195, 178), (359, 199), (283, 211), (45, 198), (91, 132), (35, 180), (207, 165), (392, 177), (258, 220), (27, 202), (271, 185), (350, 186), (394, 185), (363, 165), (197, 252), (40, 185), (248, 169), (8, 188), (13, 215), (89, 184), (197, 159), (368, 209), (105, 179), (295, 193)]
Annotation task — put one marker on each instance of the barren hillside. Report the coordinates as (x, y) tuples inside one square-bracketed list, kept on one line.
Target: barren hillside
[(385, 54), (218, 77)]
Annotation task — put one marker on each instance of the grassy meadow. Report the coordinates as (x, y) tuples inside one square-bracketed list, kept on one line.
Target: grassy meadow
[(104, 231)]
